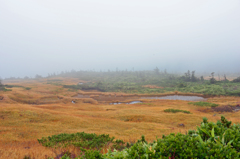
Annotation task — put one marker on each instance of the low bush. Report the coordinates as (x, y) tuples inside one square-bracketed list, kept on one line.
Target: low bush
[(210, 140), (82, 140), (201, 103), (237, 79), (11, 86), (176, 111), (79, 140)]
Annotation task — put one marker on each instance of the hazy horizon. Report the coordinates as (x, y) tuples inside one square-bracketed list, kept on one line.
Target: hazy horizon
[(41, 37)]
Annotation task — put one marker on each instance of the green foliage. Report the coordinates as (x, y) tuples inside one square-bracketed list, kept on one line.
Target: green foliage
[(27, 157), (11, 86), (134, 82), (3, 87), (210, 140), (177, 110), (181, 85), (89, 144), (83, 140), (92, 154), (28, 88), (212, 79), (201, 103), (237, 79)]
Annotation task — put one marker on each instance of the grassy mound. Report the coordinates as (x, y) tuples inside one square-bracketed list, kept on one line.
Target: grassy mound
[(176, 111), (203, 104)]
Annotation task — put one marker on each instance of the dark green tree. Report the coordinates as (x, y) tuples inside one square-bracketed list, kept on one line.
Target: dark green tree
[(212, 79), (38, 76), (165, 71), (156, 70), (193, 78), (187, 76)]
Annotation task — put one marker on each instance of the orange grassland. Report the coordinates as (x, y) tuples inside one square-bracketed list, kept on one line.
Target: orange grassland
[(51, 112)]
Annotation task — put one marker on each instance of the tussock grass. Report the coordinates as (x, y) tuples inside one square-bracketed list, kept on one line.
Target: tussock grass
[(176, 111), (202, 104)]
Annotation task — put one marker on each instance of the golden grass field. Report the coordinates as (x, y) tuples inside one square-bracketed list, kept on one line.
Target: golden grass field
[(51, 112)]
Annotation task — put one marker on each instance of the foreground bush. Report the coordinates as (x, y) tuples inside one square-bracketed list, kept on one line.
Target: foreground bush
[(211, 140)]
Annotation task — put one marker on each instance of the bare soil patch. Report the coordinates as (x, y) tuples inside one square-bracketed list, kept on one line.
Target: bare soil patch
[(221, 109), (227, 108)]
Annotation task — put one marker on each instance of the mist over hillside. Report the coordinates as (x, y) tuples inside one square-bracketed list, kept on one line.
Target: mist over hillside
[(41, 37)]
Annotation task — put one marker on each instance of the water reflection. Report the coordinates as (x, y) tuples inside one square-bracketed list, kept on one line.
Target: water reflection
[(132, 102), (178, 97)]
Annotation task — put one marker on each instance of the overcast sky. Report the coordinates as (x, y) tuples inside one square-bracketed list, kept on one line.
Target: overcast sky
[(46, 36)]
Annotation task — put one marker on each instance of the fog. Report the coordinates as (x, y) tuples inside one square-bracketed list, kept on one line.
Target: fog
[(41, 37)]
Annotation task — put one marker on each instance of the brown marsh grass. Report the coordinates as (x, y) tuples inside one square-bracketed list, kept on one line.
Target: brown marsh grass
[(21, 124)]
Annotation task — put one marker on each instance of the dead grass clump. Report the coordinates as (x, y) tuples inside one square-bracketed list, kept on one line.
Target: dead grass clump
[(23, 99), (89, 100), (133, 118), (59, 97), (225, 108), (26, 99), (94, 96), (30, 149), (205, 110), (110, 109)]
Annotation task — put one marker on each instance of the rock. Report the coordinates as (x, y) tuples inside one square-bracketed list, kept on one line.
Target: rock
[(182, 125)]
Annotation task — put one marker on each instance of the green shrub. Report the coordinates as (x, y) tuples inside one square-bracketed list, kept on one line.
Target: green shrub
[(177, 110), (237, 79), (83, 140), (210, 141), (201, 103), (92, 154), (28, 88)]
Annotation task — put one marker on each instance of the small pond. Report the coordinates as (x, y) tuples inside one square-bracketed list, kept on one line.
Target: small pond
[(178, 97), (132, 102), (136, 99)]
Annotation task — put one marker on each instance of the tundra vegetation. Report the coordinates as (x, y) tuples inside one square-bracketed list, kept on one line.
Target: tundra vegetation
[(209, 140), (45, 118), (134, 82)]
